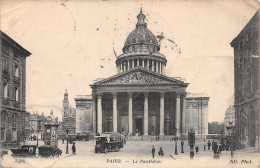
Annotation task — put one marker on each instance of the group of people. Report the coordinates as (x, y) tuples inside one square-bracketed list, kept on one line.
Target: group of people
[(160, 152), (217, 148)]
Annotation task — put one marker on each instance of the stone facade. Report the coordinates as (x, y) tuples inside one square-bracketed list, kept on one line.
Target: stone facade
[(84, 115), (246, 72), (37, 125), (13, 74), (196, 106), (139, 99), (229, 118)]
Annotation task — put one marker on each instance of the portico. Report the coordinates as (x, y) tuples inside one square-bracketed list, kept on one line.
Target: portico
[(139, 106)]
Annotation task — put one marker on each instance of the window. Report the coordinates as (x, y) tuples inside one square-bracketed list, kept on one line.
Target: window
[(5, 93), (26, 122), (251, 83), (14, 127), (16, 71), (14, 121), (5, 64), (16, 94), (3, 126)]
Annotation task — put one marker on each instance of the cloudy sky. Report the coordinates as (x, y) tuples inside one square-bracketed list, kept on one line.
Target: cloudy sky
[(72, 44)]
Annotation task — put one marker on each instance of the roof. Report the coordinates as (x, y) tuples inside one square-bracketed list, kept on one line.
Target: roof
[(251, 21), (14, 43), (106, 134), (83, 97), (139, 76)]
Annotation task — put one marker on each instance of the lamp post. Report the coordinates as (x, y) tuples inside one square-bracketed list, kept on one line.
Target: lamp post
[(230, 132), (175, 140), (37, 138), (67, 147)]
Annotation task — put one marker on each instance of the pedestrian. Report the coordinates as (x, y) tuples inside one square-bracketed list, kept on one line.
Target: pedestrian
[(160, 153), (153, 151), (204, 147), (209, 144), (212, 144), (215, 147), (73, 148), (197, 149), (124, 141), (142, 138), (62, 140), (182, 144)]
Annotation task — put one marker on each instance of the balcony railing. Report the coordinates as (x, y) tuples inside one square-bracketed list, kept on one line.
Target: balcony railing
[(6, 73), (16, 79), (16, 104), (5, 101)]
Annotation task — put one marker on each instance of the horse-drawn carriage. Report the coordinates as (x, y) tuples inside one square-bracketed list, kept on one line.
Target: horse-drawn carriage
[(47, 151), (24, 151)]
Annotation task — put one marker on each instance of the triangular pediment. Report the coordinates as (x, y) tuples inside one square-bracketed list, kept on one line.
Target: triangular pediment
[(137, 77)]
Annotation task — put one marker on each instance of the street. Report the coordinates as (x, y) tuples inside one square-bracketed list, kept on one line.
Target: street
[(135, 154)]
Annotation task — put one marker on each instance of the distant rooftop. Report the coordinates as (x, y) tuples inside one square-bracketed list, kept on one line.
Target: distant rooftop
[(83, 97), (191, 95)]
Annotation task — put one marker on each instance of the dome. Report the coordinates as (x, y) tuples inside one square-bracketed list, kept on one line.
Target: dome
[(141, 37), (141, 50)]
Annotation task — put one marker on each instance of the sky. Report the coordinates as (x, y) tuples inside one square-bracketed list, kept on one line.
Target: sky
[(72, 44)]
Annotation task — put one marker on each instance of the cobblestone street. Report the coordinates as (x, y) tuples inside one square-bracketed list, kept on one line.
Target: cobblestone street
[(135, 154)]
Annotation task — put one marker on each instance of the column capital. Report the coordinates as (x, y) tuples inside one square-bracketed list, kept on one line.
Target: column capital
[(93, 95), (162, 94), (130, 94), (114, 94), (178, 94), (99, 95), (146, 94)]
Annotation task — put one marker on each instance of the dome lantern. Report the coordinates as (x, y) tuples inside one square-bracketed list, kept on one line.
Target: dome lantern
[(140, 18)]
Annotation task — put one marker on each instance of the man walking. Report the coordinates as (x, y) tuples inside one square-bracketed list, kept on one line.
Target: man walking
[(209, 144), (153, 151), (73, 148)]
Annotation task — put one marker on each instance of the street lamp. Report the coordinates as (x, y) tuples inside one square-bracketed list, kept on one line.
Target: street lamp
[(37, 138), (175, 140), (230, 132), (67, 147)]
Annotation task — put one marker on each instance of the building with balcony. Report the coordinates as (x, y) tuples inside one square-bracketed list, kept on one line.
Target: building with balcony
[(246, 81), (37, 125), (13, 85)]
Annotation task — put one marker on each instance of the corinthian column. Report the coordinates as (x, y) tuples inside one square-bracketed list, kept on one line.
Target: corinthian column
[(94, 119), (162, 113), (183, 115), (114, 112), (178, 114), (99, 111), (153, 62), (130, 113), (146, 113)]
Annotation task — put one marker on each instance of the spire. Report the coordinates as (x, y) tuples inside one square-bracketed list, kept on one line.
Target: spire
[(140, 18)]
